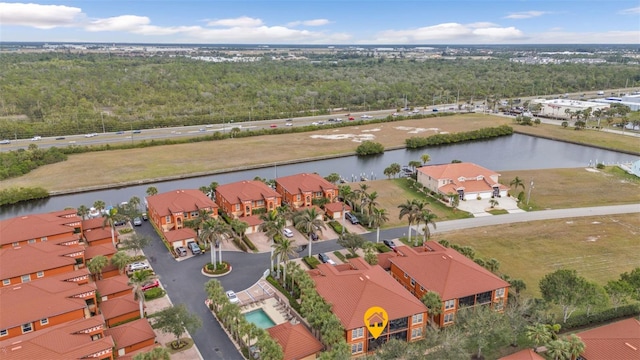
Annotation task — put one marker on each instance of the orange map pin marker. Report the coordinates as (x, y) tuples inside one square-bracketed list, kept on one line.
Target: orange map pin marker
[(376, 319)]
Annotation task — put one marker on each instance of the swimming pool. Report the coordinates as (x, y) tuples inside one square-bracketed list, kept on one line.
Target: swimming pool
[(260, 318)]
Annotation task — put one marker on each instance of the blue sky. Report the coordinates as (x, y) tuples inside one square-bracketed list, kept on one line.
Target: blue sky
[(324, 22)]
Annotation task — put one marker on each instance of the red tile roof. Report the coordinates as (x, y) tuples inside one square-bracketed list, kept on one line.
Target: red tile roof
[(113, 285), (39, 257), (93, 223), (99, 234), (306, 182), (180, 234), (468, 176), (71, 340), (296, 341), (248, 190), (445, 271), (251, 220), (102, 249), (131, 333), (179, 201), (352, 291), (36, 226), (337, 207), (526, 354), (619, 340), (117, 306)]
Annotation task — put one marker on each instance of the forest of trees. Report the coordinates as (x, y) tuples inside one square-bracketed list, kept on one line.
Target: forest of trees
[(57, 94)]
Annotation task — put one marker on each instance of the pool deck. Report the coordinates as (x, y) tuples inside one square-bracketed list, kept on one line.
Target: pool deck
[(275, 310)]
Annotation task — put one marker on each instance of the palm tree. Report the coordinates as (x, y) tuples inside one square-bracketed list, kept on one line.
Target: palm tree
[(120, 260), (433, 302), (213, 232), (362, 196), (539, 333), (492, 265), (307, 222), (406, 209), (558, 349), (99, 205), (83, 211), (138, 279), (109, 219), (212, 188), (96, 265), (377, 218), (134, 202), (272, 224), (575, 346), (283, 250), (428, 218), (152, 190), (493, 203), (215, 293), (371, 203), (425, 158), (517, 182)]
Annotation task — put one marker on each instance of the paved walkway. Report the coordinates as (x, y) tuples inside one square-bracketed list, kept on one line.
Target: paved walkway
[(480, 207)]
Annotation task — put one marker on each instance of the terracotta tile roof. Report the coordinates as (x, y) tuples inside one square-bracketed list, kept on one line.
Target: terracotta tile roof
[(337, 206), (93, 223), (178, 201), (102, 249), (26, 300), (248, 190), (120, 305), (619, 340), (73, 276), (445, 271), (296, 341), (251, 220), (526, 354), (39, 256), (131, 333), (92, 235), (61, 342), (180, 234), (112, 285), (471, 177), (306, 182), (352, 291), (36, 226)]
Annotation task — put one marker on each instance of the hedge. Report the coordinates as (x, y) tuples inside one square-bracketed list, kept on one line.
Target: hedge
[(337, 227), (417, 142), (249, 243), (340, 256), (603, 316), (311, 261), (240, 244), (382, 248), (154, 293), (292, 301)]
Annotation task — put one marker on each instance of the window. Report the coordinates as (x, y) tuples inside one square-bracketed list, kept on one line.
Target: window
[(357, 333), (260, 203), (167, 219), (15, 244), (449, 304), (499, 306), (421, 289), (42, 239), (26, 278), (31, 241), (6, 282), (237, 207), (416, 333), (500, 293), (356, 348), (448, 318), (44, 321), (406, 276), (4, 332), (413, 282), (27, 328), (194, 214), (185, 214), (298, 197), (416, 319), (40, 274), (318, 194)]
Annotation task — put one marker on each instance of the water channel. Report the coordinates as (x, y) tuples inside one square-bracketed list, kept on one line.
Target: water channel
[(515, 152)]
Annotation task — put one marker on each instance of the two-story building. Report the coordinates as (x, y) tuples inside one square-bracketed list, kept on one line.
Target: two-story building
[(57, 227), (353, 288), (460, 282), (244, 198), (301, 190), (169, 211), (44, 259), (467, 180)]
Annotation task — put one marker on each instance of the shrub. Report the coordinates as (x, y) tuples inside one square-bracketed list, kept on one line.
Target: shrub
[(340, 256), (311, 261), (369, 148), (217, 269), (154, 293), (15, 195), (603, 316), (600, 166), (249, 243), (382, 248), (240, 244), (292, 301), (337, 227), (352, 256)]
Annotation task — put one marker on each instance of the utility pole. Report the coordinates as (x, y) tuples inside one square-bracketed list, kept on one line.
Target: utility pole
[(529, 192)]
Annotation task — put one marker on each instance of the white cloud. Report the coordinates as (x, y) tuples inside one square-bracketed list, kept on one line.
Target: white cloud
[(630, 11), (243, 21), (525, 14), (39, 16), (118, 23), (476, 33), (314, 22)]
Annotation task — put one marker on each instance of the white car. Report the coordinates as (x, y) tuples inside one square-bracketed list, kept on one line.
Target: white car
[(233, 298), (366, 117), (287, 232), (36, 138), (288, 124), (91, 135)]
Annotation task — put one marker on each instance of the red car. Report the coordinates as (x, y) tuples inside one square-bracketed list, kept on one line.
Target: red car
[(150, 285), (351, 118), (273, 125)]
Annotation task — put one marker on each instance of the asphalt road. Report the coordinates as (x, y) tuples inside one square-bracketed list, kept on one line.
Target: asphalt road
[(184, 281)]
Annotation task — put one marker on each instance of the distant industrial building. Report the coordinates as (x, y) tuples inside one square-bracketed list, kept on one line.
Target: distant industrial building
[(632, 101), (557, 108)]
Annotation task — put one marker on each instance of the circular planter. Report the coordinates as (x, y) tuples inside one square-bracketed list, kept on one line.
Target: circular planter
[(206, 271)]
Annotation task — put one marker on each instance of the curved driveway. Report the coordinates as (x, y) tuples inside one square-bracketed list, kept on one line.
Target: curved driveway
[(184, 282)]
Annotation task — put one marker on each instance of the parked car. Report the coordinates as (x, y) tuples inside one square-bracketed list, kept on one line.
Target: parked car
[(325, 259), (5, 142), (120, 222), (314, 236), (287, 232), (137, 266), (352, 218), (137, 221), (181, 251), (195, 249), (233, 298), (145, 217), (150, 285), (390, 244)]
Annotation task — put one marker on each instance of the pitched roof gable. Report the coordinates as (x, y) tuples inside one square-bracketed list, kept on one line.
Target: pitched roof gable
[(131, 333), (177, 201), (41, 257), (296, 341), (445, 271), (305, 182), (526, 354), (117, 306), (36, 226), (180, 234), (455, 171), (248, 190), (356, 287), (618, 340), (113, 285)]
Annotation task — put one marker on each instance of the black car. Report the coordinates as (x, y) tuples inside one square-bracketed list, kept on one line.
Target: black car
[(352, 218), (325, 259), (119, 222), (390, 244), (313, 236)]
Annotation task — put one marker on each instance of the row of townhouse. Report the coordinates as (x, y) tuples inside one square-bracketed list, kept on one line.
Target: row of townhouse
[(57, 310)]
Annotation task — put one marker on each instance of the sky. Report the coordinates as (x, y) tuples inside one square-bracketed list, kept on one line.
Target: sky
[(326, 22)]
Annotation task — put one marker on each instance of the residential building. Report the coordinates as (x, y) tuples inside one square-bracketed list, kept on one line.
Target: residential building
[(352, 288), (467, 180), (82, 338), (243, 198), (618, 340), (296, 341), (58, 227), (169, 211), (526, 354), (113, 287), (44, 260), (301, 190), (100, 236), (132, 336), (460, 282), (336, 210), (120, 309)]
